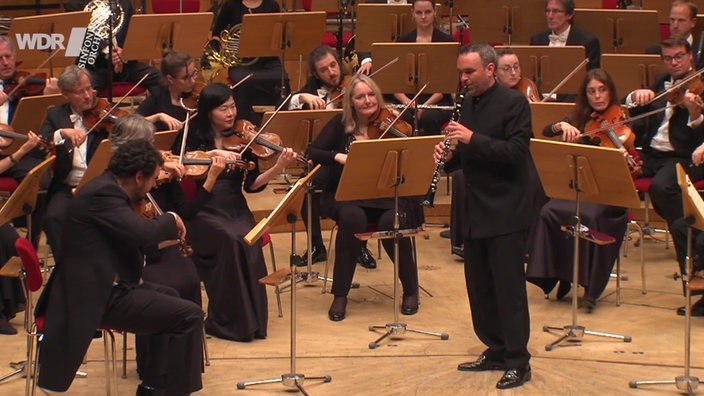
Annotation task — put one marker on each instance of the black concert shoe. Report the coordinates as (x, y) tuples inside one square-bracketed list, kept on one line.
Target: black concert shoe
[(366, 259), (562, 289), (458, 250), (143, 390), (6, 327), (483, 363), (697, 309), (410, 304), (337, 309), (514, 377), (587, 305), (319, 254)]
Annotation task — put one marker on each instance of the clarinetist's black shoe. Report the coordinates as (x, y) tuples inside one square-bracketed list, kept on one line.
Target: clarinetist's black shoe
[(514, 377), (483, 363), (319, 254), (366, 259), (143, 390)]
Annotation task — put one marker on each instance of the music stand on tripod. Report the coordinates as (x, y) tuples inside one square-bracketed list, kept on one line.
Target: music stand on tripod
[(390, 168), (286, 211), (693, 210), (591, 174), (288, 35)]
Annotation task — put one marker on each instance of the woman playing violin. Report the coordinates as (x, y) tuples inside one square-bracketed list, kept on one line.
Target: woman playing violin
[(430, 121), (163, 107), (551, 256), (229, 268), (9, 76), (166, 265), (508, 74), (362, 103)]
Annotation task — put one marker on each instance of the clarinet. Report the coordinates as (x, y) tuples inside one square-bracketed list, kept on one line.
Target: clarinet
[(430, 195)]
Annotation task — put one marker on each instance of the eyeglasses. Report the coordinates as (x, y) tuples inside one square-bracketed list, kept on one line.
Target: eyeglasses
[(187, 77), (554, 11), (678, 57), (516, 68)]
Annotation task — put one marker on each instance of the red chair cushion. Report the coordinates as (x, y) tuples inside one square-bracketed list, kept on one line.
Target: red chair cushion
[(266, 238), (39, 322), (465, 36), (330, 39), (643, 183), (8, 184), (172, 6), (30, 262), (121, 88)]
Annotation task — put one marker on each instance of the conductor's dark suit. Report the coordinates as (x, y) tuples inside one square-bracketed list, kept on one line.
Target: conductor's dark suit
[(575, 37), (97, 281), (59, 192), (497, 215)]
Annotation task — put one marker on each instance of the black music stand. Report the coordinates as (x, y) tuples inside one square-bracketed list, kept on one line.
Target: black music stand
[(693, 206), (150, 34), (287, 35), (60, 24), (420, 66), (286, 211), (591, 174), (385, 168), (548, 66)]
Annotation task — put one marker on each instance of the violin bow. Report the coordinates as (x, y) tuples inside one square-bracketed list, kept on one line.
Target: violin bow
[(567, 78), (389, 63), (36, 69), (266, 124), (238, 83), (676, 86), (625, 121), (388, 128), (107, 113)]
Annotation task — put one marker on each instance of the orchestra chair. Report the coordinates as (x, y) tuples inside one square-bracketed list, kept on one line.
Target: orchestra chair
[(120, 89), (277, 277), (632, 227)]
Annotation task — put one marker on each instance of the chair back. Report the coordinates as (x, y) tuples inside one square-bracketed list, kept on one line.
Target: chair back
[(30, 263), (174, 6), (24, 198)]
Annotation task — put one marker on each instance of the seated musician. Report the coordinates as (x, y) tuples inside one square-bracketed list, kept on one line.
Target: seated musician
[(326, 83), (98, 281), (551, 257), (362, 104), (168, 264), (670, 136), (65, 125), (264, 87), (683, 19), (229, 267), (163, 106), (124, 70), (11, 293), (430, 120)]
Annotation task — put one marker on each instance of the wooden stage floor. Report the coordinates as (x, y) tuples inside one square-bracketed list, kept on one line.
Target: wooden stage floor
[(425, 365)]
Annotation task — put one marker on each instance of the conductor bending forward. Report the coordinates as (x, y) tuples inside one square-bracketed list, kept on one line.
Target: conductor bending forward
[(97, 280), (493, 135)]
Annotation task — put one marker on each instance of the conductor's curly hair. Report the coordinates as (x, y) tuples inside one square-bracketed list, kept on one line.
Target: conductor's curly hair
[(134, 156)]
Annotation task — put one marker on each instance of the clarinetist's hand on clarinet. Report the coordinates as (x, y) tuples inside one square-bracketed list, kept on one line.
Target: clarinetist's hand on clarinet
[(458, 132), (439, 148)]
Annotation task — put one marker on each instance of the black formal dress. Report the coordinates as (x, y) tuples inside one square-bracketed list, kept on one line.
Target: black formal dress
[(497, 218), (60, 190), (264, 87), (684, 138), (229, 268), (160, 102), (11, 294), (432, 120), (355, 216), (97, 282)]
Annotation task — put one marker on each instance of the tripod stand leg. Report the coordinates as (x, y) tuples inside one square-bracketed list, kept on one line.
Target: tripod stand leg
[(625, 338), (375, 343), (443, 336), (242, 385)]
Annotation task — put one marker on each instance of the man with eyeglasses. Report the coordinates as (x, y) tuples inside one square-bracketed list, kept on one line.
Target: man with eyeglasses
[(670, 136), (561, 32), (74, 148), (163, 106), (683, 19)]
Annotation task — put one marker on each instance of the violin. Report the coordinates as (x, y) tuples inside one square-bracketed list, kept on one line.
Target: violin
[(147, 208), (381, 122), (8, 135), (336, 94), (265, 145), (528, 88), (604, 129), (102, 115), (189, 100), (24, 84), (676, 96), (198, 162)]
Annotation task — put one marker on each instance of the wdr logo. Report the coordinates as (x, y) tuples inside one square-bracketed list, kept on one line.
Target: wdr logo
[(53, 41)]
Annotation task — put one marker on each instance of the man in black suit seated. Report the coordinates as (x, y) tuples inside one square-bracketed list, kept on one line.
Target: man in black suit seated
[(670, 136), (683, 18), (64, 125), (561, 32), (97, 280), (326, 82)]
